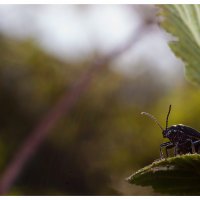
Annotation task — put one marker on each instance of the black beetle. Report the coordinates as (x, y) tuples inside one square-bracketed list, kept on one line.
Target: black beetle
[(183, 139)]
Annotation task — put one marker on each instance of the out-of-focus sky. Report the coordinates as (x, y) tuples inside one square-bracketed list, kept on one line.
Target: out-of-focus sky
[(74, 31)]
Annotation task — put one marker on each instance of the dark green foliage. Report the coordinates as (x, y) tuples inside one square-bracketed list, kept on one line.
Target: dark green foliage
[(176, 175), (95, 142), (90, 151)]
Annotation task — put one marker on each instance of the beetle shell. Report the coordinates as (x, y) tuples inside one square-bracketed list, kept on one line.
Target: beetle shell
[(182, 136)]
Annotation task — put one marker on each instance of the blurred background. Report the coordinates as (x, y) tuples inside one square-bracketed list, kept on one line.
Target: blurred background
[(104, 139)]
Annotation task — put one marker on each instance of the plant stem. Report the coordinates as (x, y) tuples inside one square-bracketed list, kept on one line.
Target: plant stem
[(61, 108)]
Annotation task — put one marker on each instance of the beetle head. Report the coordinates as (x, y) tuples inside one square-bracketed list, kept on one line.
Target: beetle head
[(169, 133), (166, 133)]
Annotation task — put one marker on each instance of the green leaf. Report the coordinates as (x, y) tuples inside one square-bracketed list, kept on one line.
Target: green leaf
[(176, 175), (183, 21)]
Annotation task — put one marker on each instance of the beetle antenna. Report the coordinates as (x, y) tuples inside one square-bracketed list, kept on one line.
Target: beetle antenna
[(170, 106), (152, 117)]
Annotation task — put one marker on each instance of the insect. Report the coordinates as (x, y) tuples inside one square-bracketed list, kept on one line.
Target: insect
[(183, 139)]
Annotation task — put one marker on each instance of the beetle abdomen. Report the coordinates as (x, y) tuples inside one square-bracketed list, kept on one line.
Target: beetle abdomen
[(189, 132)]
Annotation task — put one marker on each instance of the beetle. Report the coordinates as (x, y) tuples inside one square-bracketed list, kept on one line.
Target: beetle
[(183, 139)]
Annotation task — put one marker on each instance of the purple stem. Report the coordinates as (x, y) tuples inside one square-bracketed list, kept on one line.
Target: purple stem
[(61, 107)]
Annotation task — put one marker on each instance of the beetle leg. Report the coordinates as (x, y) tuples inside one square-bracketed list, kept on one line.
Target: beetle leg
[(162, 146), (166, 145), (193, 148), (192, 145), (175, 150), (196, 142), (166, 150), (161, 153), (169, 146)]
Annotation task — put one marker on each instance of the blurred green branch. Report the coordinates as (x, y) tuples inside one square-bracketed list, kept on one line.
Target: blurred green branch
[(62, 107)]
